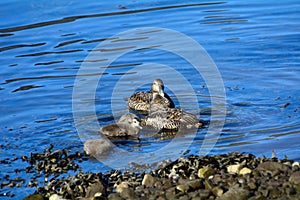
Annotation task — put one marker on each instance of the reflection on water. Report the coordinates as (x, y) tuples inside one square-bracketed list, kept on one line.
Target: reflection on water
[(254, 44)]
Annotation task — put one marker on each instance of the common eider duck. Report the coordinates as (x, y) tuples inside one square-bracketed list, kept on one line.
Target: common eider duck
[(164, 118), (128, 125), (140, 101)]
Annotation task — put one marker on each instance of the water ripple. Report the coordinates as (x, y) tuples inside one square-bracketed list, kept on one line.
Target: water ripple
[(74, 18)]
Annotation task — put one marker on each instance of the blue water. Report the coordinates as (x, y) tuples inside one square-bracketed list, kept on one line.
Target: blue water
[(255, 46)]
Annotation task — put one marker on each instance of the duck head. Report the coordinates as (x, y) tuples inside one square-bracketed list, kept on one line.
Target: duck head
[(158, 86)]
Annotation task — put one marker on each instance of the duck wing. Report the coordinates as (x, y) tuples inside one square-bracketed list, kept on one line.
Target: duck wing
[(140, 101), (185, 119), (161, 120)]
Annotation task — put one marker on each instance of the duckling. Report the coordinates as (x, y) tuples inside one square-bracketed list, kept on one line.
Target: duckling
[(128, 125), (140, 101), (165, 118), (97, 147)]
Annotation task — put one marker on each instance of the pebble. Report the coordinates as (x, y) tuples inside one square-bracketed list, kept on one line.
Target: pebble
[(148, 180), (56, 197), (233, 169), (121, 187), (95, 188), (34, 197), (182, 188), (205, 172), (244, 171), (234, 193), (222, 177), (217, 191), (295, 178)]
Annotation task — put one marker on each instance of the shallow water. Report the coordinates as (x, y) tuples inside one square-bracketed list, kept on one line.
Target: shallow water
[(255, 46)]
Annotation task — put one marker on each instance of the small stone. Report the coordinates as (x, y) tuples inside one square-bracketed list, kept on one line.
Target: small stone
[(252, 185), (182, 188), (95, 188), (234, 193), (121, 186), (244, 171), (114, 196), (296, 164), (217, 191), (195, 184), (204, 194), (97, 147), (205, 172), (272, 167), (56, 197), (171, 193), (128, 193), (34, 197), (233, 169), (166, 184), (148, 180), (295, 178), (208, 185)]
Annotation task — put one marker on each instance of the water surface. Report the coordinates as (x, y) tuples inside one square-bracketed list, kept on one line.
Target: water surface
[(255, 46)]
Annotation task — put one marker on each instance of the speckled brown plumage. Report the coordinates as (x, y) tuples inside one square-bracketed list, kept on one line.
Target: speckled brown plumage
[(140, 101)]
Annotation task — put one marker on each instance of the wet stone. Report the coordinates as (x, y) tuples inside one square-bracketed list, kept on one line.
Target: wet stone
[(148, 180), (217, 191), (295, 178), (114, 196), (233, 169), (273, 167), (56, 197), (121, 187), (233, 193), (182, 188), (244, 171), (34, 197), (249, 179), (205, 172), (195, 184), (95, 188), (128, 193)]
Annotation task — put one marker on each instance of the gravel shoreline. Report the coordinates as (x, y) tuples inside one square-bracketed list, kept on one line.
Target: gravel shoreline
[(221, 177)]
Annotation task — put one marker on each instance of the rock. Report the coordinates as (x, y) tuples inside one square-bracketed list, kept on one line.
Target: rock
[(97, 147), (244, 171), (234, 169), (182, 188), (171, 193), (166, 184), (56, 197), (272, 167), (34, 197), (217, 191), (295, 164), (205, 172), (148, 180), (234, 193), (95, 188), (114, 196), (252, 185), (208, 185), (195, 184), (121, 186), (204, 194), (128, 193), (295, 178)]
